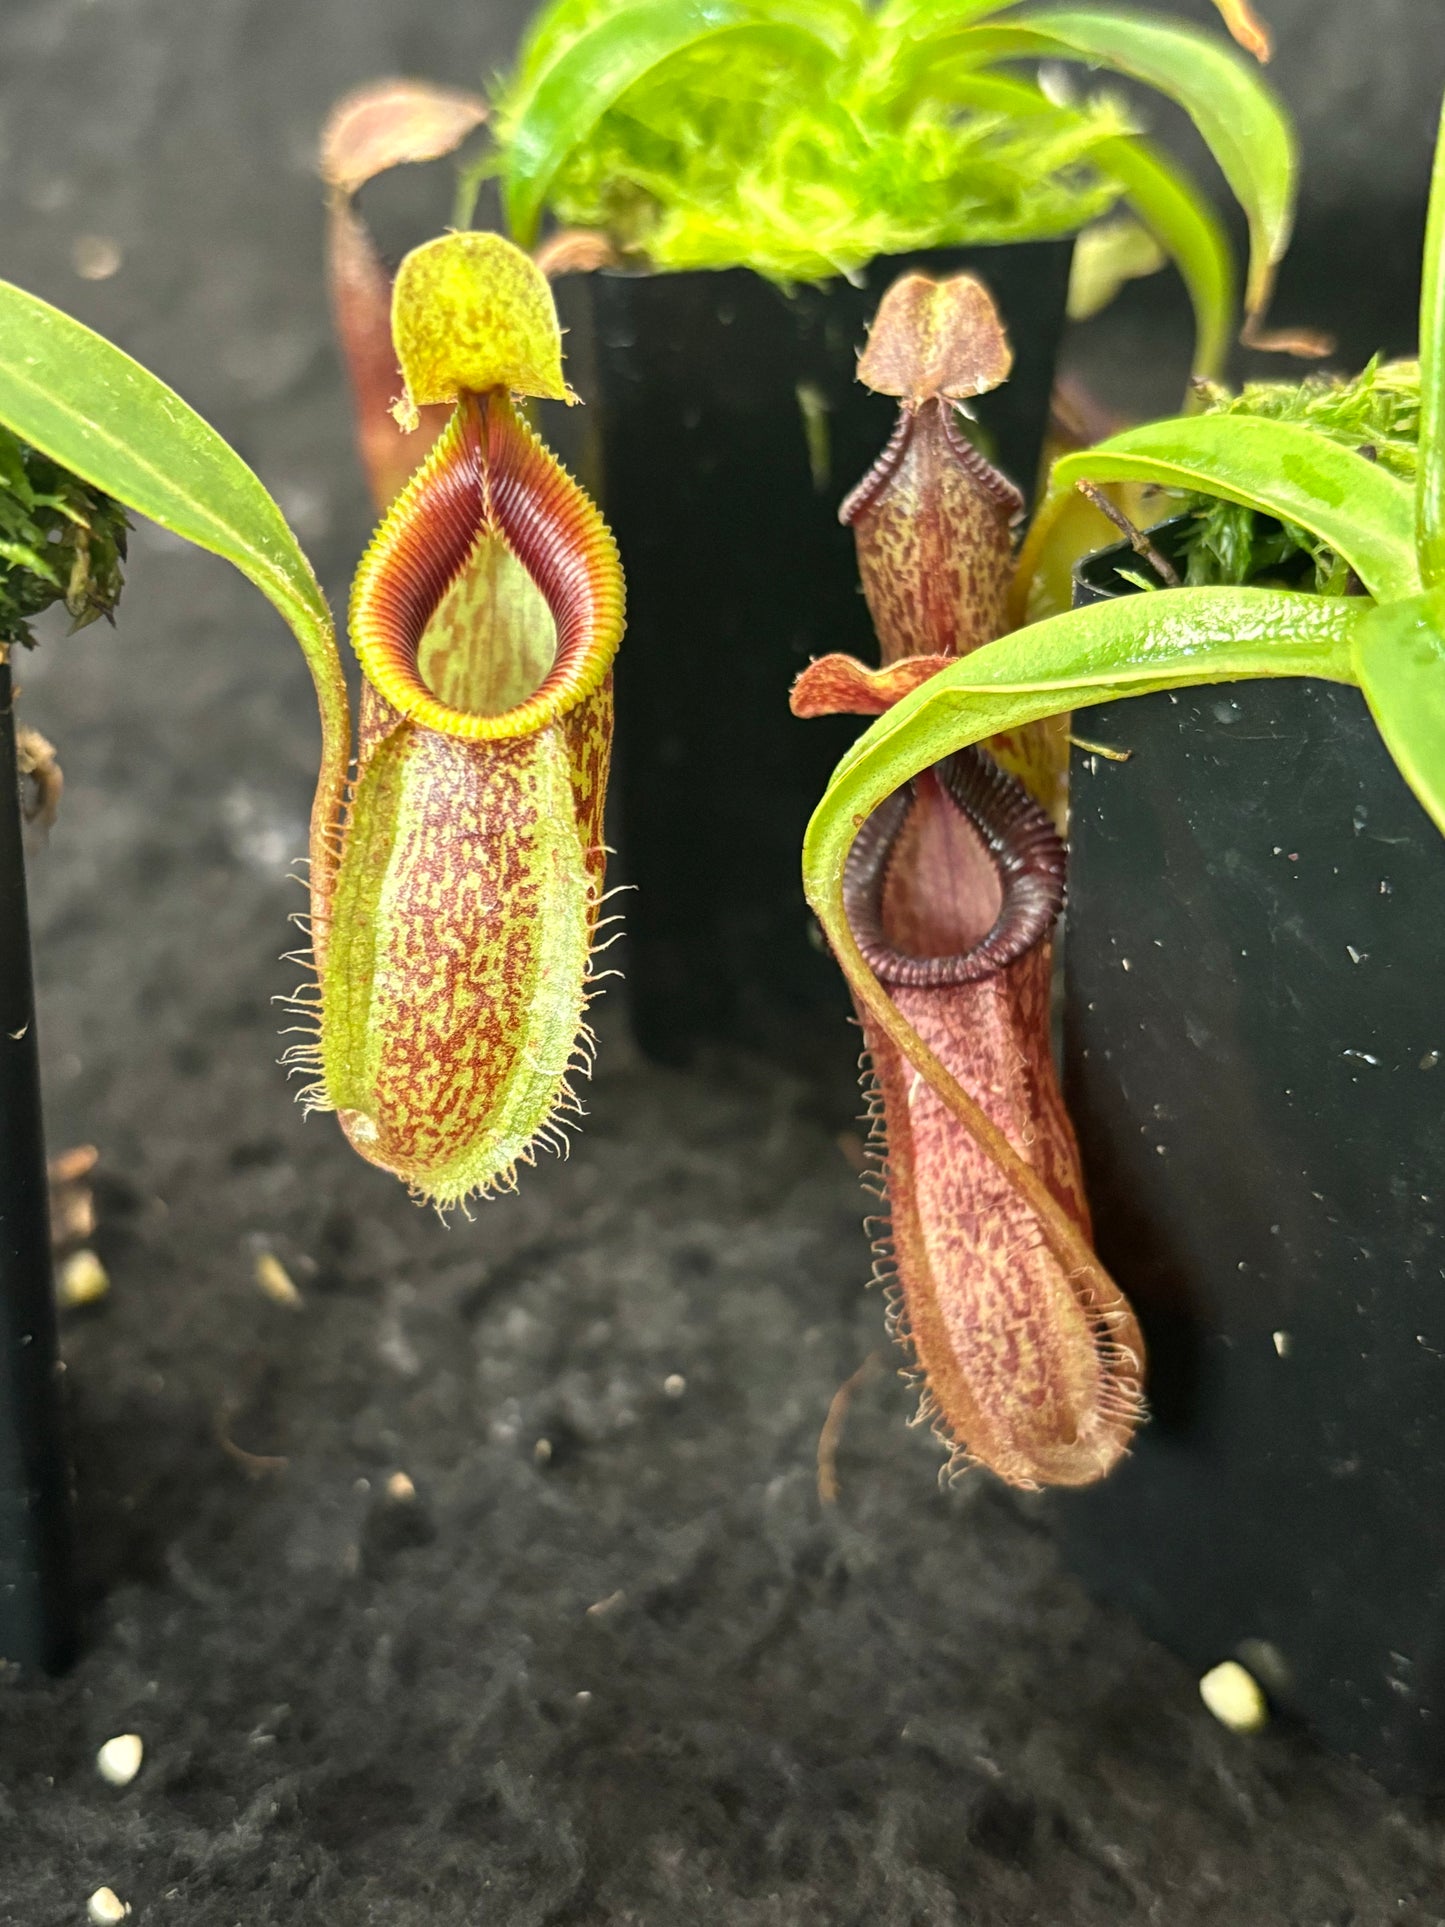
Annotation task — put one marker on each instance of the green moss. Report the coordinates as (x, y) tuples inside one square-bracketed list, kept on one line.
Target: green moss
[(1378, 410), (742, 152), (808, 190), (60, 541)]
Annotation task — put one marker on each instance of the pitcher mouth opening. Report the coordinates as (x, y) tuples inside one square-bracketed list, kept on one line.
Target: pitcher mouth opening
[(1016, 864), (490, 600)]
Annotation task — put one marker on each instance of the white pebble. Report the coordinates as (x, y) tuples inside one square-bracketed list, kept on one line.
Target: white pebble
[(83, 1280), (275, 1280), (104, 1909), (119, 1759), (95, 257), (674, 1385), (1233, 1696), (399, 1489)]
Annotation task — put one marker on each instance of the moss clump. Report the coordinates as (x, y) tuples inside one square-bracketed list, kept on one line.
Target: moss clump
[(801, 190), (801, 148), (60, 541), (1377, 411)]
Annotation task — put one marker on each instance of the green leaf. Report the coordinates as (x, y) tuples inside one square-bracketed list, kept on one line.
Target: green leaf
[(1400, 664), (89, 407), (922, 18), (1282, 469), (1166, 201), (1126, 647), (1430, 477), (573, 93), (1190, 232), (901, 26), (1240, 119)]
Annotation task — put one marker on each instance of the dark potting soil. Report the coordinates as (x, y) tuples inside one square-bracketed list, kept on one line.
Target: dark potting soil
[(613, 1662)]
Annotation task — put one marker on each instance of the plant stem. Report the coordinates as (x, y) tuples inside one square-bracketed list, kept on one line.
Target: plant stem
[(36, 1595), (1136, 538)]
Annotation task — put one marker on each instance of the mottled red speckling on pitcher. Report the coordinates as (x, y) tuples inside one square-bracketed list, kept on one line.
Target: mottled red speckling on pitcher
[(457, 886), (1031, 1359)]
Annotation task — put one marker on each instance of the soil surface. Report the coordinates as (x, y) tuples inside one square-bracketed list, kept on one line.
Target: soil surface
[(612, 1661)]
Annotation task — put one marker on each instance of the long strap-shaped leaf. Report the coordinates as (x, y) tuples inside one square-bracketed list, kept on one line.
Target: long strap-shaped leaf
[(576, 89), (1283, 469), (1122, 648), (1400, 652), (1242, 122), (1125, 647), (87, 405), (1430, 477), (928, 15), (1190, 233), (1177, 215), (919, 19), (1400, 664)]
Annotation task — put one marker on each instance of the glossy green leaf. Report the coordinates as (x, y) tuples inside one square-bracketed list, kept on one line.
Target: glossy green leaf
[(87, 405), (1280, 468), (595, 70), (1239, 117), (1400, 664), (1430, 478), (1126, 647)]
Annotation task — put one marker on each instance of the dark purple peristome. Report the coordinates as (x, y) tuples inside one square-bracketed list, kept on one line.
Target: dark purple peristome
[(1016, 836)]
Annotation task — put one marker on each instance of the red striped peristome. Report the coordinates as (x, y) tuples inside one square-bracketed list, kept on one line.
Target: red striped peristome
[(488, 473), (457, 966)]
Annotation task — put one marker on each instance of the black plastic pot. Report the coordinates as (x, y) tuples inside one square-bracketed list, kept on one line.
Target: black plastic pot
[(36, 1600), (1255, 1059), (730, 427)]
